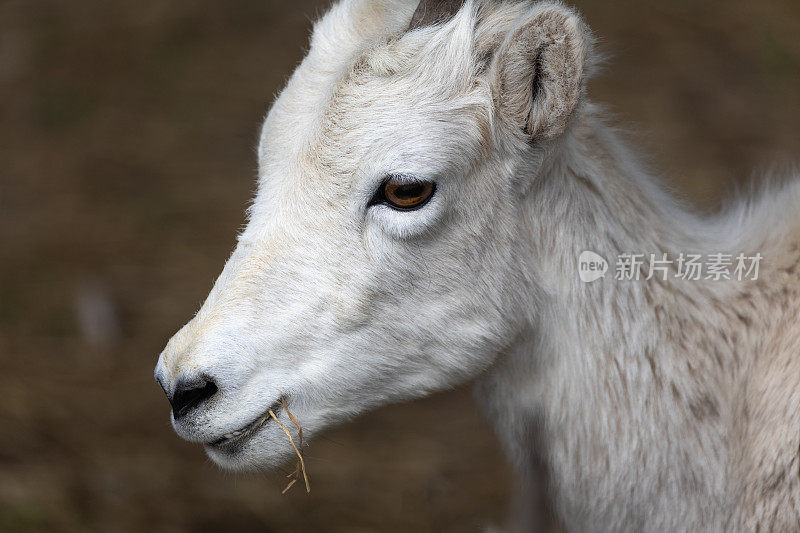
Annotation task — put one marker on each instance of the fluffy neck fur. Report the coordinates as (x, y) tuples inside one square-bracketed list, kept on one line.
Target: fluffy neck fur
[(624, 392)]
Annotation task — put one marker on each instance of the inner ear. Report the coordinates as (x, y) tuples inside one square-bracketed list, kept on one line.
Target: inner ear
[(538, 72)]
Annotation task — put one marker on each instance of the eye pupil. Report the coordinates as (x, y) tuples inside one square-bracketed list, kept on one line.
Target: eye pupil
[(410, 191), (407, 195)]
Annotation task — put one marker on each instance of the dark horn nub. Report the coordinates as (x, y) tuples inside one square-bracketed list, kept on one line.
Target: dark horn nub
[(434, 11)]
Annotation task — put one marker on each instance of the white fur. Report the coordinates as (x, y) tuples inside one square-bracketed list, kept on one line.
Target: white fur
[(658, 406)]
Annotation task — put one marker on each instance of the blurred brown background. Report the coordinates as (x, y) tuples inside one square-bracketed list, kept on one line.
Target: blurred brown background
[(126, 162)]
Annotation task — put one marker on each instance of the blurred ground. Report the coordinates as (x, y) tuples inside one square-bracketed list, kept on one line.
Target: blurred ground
[(126, 162)]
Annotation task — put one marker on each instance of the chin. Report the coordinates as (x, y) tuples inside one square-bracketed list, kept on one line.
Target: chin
[(249, 457), (265, 448)]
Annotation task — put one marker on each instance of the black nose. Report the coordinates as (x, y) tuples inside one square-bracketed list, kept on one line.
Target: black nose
[(189, 394)]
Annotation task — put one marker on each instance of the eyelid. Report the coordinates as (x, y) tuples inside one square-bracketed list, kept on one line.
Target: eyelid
[(403, 179)]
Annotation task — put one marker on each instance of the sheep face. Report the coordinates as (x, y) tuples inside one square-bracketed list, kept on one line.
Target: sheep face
[(381, 260)]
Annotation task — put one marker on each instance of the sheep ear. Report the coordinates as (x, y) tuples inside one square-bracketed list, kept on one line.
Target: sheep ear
[(538, 71)]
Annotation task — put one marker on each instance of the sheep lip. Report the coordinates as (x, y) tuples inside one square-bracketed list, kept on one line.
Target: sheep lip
[(240, 435)]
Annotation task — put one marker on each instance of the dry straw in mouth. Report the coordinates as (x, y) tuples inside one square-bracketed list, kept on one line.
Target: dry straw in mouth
[(301, 465)]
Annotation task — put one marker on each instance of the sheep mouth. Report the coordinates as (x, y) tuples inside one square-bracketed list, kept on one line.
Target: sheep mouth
[(234, 439)]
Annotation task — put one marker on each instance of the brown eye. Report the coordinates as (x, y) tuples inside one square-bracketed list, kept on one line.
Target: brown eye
[(407, 195)]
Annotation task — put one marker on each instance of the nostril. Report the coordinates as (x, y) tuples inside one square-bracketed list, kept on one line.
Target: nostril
[(190, 394)]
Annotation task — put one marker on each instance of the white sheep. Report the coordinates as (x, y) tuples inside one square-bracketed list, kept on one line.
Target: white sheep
[(441, 202)]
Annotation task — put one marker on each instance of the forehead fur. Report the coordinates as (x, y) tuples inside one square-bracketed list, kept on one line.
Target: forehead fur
[(356, 39), (364, 66), (343, 34)]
